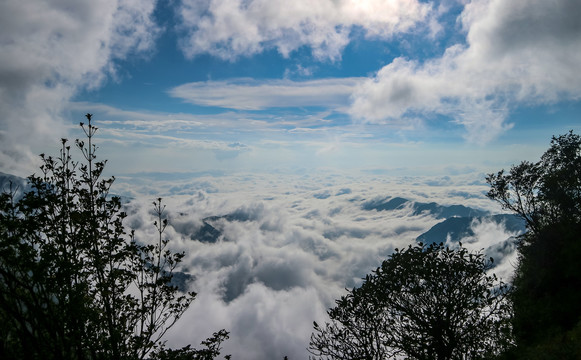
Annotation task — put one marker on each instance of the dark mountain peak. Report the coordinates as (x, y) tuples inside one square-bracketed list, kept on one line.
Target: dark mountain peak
[(419, 208), (385, 204), (13, 183), (457, 228), (207, 233), (445, 212)]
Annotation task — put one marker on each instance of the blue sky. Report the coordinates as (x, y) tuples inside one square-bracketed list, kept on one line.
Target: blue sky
[(400, 86)]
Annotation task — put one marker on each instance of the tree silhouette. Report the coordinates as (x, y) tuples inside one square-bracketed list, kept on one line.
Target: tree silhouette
[(546, 192), (424, 302), (73, 283), (546, 295)]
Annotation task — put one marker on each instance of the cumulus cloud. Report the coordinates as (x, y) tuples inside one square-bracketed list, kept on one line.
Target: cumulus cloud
[(50, 49), (233, 28), (524, 52)]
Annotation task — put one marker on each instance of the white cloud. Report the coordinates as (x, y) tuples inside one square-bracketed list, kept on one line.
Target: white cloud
[(232, 28), (138, 141), (50, 49), (524, 52), (137, 123), (291, 252), (496, 241), (286, 141), (249, 94)]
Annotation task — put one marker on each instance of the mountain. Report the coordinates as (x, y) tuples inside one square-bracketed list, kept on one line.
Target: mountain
[(17, 184), (457, 223), (207, 233), (210, 231), (181, 280), (385, 204), (457, 228), (419, 208)]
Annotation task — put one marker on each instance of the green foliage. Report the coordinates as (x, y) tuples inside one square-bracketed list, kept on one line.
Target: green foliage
[(73, 283), (424, 302), (546, 287)]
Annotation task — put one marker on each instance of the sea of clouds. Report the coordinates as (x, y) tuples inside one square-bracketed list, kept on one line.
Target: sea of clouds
[(287, 245)]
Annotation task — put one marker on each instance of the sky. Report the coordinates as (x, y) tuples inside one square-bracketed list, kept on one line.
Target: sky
[(294, 114), (400, 86)]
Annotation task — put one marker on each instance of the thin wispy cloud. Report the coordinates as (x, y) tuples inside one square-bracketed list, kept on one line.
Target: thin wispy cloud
[(259, 125), (250, 94)]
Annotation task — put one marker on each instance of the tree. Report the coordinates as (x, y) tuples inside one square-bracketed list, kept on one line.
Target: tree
[(546, 192), (546, 295), (73, 283), (424, 302)]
